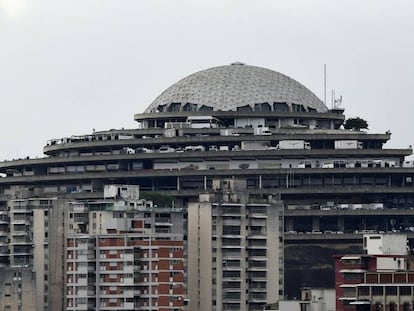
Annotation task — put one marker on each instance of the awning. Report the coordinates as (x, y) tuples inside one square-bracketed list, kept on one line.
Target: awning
[(350, 257), (352, 271), (360, 302), (346, 298)]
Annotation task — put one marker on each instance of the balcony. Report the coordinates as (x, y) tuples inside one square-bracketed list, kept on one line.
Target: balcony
[(231, 222), (257, 215), (231, 297), (21, 242), (20, 233), (235, 235), (254, 244), (257, 233), (257, 268), (258, 297), (257, 222)]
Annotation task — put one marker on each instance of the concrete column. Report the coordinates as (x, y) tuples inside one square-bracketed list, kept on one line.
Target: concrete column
[(289, 224), (315, 223), (363, 223), (341, 224), (178, 183)]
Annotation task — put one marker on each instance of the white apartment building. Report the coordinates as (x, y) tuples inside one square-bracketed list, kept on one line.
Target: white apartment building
[(235, 250)]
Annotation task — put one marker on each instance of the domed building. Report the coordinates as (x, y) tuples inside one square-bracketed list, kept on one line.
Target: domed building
[(237, 87), (244, 125)]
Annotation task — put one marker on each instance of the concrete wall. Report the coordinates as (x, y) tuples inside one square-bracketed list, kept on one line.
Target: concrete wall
[(56, 253), (385, 244), (199, 256), (39, 255), (17, 285), (274, 252)]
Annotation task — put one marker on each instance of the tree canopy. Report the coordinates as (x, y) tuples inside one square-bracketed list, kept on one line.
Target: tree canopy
[(159, 199), (355, 124)]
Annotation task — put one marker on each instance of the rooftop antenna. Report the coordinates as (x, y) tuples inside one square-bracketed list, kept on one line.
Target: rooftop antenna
[(336, 102), (324, 83)]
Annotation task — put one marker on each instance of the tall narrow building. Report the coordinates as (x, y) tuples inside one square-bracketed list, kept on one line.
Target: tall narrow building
[(35, 258), (235, 249)]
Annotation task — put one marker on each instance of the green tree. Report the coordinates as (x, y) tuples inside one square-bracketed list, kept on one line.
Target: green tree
[(355, 124), (159, 199)]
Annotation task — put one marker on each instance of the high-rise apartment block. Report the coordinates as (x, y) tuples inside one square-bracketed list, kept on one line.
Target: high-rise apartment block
[(34, 257), (235, 249), (124, 254)]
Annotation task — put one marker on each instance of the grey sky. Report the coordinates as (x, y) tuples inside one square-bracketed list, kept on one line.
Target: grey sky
[(67, 67)]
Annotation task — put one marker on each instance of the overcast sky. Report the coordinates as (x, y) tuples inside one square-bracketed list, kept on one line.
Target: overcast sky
[(67, 67)]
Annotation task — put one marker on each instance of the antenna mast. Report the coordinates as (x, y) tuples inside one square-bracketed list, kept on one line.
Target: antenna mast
[(324, 83)]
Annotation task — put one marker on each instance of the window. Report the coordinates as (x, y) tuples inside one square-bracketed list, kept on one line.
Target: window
[(353, 276), (174, 107), (349, 292), (391, 290), (405, 291), (377, 291), (351, 262), (280, 107), (7, 289), (363, 291)]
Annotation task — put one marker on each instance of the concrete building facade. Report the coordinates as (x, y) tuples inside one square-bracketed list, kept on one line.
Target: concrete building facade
[(246, 123), (382, 279), (31, 249), (235, 249), (123, 253)]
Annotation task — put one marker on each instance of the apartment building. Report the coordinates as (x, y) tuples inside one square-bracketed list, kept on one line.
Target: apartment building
[(124, 254), (32, 256), (381, 279), (235, 249)]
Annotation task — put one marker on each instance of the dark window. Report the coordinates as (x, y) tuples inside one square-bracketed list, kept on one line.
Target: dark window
[(391, 290), (174, 107), (244, 108), (405, 291), (353, 276), (262, 107), (190, 107), (377, 291), (280, 107), (363, 291), (206, 108)]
